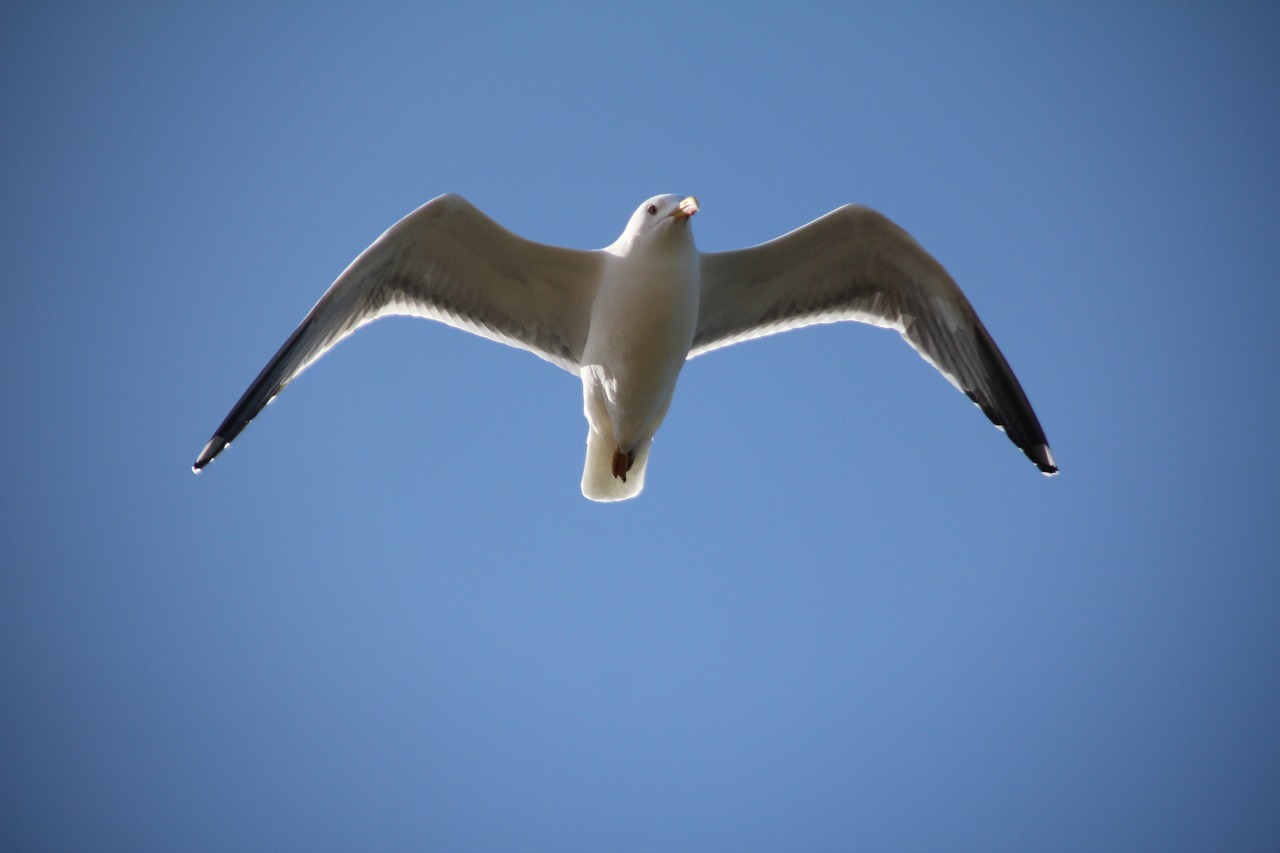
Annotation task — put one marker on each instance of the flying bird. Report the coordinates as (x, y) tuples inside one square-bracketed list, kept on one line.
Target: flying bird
[(626, 318)]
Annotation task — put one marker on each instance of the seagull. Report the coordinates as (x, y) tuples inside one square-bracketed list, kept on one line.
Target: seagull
[(626, 318)]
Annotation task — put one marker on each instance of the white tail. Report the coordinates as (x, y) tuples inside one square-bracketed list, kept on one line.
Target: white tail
[(598, 482)]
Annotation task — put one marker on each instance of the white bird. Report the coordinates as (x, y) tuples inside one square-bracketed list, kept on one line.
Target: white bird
[(626, 318)]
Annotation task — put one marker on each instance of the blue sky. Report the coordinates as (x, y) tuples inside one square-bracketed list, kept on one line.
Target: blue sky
[(845, 614)]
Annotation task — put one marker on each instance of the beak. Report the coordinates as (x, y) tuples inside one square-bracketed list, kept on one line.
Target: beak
[(686, 208)]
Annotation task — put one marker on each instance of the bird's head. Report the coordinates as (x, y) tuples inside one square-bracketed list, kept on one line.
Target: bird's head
[(659, 218)]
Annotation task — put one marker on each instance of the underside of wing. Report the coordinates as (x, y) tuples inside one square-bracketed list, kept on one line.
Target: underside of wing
[(854, 264), (449, 262)]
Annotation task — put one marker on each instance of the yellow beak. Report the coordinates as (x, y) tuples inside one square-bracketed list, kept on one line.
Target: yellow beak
[(686, 208)]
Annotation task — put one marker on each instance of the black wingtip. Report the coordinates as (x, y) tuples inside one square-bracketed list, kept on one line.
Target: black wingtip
[(216, 445), (1043, 458)]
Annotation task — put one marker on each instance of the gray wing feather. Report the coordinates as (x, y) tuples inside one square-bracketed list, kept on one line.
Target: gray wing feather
[(449, 262), (854, 264)]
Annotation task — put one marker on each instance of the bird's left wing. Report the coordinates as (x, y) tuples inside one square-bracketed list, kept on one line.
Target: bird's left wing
[(446, 261), (854, 264)]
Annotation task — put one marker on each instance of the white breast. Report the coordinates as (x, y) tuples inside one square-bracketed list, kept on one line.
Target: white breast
[(642, 326)]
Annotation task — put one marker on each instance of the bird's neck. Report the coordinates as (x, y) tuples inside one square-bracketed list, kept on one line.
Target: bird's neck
[(674, 246)]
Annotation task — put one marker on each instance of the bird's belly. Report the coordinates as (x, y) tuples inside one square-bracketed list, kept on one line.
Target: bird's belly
[(632, 361)]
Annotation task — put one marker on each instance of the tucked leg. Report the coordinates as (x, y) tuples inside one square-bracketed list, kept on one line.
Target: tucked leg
[(622, 463)]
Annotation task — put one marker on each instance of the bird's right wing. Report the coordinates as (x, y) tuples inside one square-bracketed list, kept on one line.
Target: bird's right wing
[(854, 264), (449, 262)]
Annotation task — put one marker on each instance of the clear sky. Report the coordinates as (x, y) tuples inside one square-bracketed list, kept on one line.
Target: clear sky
[(846, 614)]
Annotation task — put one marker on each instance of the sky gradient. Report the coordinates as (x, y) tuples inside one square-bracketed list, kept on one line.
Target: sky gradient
[(845, 614)]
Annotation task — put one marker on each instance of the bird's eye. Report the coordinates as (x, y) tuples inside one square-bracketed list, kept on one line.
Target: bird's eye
[(653, 209)]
